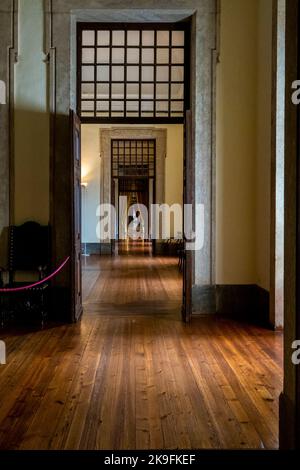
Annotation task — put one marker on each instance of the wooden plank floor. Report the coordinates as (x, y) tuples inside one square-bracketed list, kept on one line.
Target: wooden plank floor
[(132, 376)]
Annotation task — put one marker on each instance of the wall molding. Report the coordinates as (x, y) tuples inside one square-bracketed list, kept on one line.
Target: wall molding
[(8, 55)]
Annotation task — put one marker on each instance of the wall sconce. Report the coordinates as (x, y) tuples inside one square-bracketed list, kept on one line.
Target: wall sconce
[(84, 184)]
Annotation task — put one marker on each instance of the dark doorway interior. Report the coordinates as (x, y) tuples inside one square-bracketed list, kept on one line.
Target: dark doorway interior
[(137, 193), (133, 185)]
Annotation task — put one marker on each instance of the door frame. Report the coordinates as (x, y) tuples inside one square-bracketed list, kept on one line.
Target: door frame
[(289, 404), (148, 178), (188, 198), (61, 41), (188, 175), (76, 216)]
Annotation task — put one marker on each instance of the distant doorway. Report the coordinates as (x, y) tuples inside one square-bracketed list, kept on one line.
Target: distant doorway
[(136, 192), (139, 74), (143, 165), (133, 186)]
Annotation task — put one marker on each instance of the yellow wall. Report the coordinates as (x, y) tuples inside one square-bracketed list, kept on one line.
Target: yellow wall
[(263, 157), (31, 164), (91, 170), (174, 165), (243, 143), (90, 149), (236, 143)]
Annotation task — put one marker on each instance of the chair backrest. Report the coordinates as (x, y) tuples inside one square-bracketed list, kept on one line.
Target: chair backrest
[(29, 247)]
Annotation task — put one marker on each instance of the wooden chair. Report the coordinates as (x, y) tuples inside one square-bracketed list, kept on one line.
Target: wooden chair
[(29, 251)]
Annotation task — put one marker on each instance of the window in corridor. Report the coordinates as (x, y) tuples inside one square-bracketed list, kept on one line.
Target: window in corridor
[(132, 72), (133, 158)]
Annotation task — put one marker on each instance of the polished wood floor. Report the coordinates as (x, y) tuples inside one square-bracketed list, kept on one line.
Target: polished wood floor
[(132, 376), (132, 283)]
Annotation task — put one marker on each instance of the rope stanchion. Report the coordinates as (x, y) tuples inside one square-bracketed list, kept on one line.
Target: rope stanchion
[(38, 283)]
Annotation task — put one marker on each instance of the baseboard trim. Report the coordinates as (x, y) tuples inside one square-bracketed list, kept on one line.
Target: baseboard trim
[(166, 249), (60, 304), (204, 300), (90, 248), (287, 424), (96, 248), (249, 303)]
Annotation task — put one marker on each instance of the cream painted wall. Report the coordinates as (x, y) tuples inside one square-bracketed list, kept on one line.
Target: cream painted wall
[(244, 143), (236, 144), (174, 164), (263, 156), (90, 174), (31, 164), (90, 150)]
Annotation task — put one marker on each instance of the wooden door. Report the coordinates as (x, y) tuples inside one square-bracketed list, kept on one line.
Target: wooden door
[(113, 202), (75, 133), (289, 404), (187, 199)]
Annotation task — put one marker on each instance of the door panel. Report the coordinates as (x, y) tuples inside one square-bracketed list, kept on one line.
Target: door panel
[(187, 199), (113, 202), (75, 132)]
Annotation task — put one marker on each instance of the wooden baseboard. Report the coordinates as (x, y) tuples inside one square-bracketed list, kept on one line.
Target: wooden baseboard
[(96, 248), (248, 303), (287, 424), (204, 300)]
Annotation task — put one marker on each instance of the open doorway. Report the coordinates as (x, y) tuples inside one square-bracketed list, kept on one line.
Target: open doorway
[(133, 184), (132, 95), (132, 168)]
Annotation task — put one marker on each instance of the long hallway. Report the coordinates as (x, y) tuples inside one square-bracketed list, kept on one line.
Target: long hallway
[(131, 375), (133, 282)]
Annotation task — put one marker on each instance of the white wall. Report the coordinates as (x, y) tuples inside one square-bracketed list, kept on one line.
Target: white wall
[(91, 171), (31, 120), (90, 174)]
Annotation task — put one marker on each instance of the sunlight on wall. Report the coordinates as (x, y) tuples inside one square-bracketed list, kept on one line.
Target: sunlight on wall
[(244, 143)]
